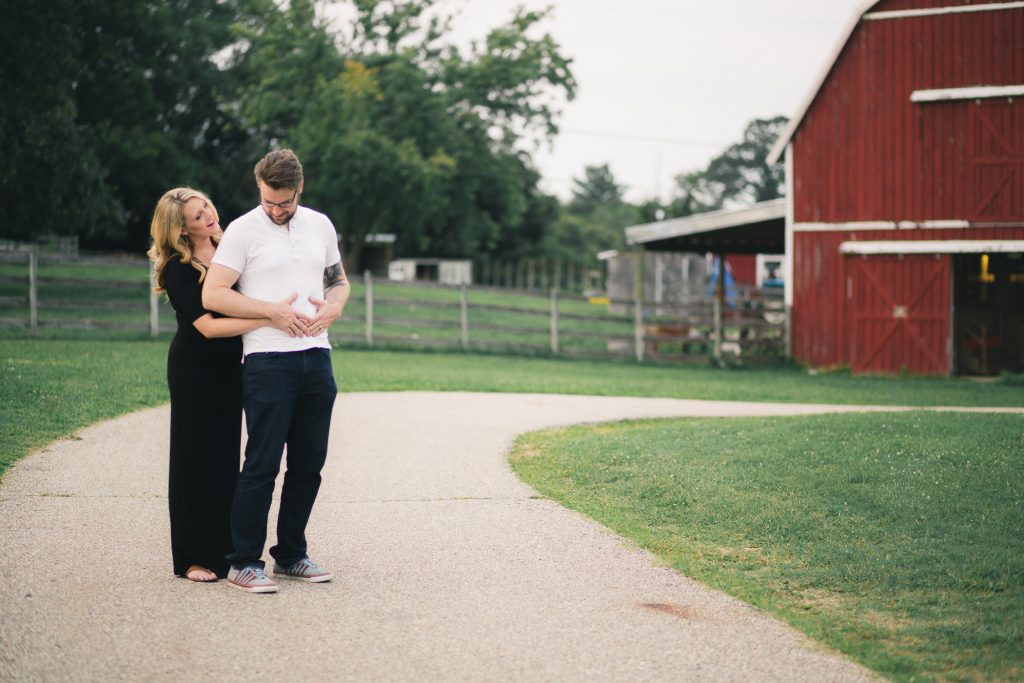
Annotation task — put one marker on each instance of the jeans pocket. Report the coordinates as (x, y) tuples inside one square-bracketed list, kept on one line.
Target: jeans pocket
[(267, 379), (322, 378)]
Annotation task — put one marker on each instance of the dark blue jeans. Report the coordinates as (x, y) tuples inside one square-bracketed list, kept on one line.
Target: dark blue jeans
[(288, 399)]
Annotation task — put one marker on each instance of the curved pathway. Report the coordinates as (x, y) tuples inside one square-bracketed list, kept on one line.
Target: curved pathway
[(448, 567)]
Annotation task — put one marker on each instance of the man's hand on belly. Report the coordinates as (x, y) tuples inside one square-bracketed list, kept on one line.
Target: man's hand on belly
[(326, 313), (285, 318)]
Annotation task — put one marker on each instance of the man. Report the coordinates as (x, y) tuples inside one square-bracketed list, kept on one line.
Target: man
[(285, 253)]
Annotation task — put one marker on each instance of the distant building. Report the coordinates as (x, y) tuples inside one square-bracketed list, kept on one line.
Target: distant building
[(378, 251), (443, 271)]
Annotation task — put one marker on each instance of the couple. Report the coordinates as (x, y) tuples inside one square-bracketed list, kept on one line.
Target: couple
[(275, 277)]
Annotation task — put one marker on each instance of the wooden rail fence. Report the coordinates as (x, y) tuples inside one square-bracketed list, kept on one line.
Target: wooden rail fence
[(750, 327)]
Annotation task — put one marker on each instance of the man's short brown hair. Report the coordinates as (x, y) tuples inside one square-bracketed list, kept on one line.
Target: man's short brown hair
[(280, 170)]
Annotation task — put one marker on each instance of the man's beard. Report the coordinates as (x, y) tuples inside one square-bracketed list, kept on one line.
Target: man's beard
[(283, 220)]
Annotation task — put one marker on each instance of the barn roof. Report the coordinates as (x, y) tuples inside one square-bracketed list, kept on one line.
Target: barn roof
[(780, 145), (756, 229), (794, 123)]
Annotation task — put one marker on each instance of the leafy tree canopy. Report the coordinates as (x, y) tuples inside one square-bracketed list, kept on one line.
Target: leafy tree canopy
[(399, 130), (739, 175), (596, 188), (108, 104)]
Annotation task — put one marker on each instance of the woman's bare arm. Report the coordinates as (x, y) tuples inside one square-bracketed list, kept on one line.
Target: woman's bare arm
[(213, 328)]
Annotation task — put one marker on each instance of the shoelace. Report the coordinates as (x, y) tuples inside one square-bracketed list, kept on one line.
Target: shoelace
[(302, 566), (252, 574)]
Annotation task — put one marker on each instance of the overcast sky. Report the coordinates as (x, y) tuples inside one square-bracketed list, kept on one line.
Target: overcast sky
[(665, 85)]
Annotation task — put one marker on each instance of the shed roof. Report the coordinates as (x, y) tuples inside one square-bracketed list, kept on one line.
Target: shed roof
[(756, 229)]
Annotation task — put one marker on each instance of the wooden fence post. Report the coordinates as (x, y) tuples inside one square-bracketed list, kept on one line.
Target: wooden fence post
[(464, 317), (368, 284), (154, 304), (638, 303), (554, 320), (33, 292), (719, 302), (787, 329)]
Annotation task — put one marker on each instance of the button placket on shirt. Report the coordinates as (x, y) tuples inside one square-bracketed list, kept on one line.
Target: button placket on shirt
[(293, 242)]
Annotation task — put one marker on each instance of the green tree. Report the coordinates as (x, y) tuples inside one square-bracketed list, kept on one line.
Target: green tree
[(107, 105), (742, 169), (509, 80), (696, 192), (280, 57), (580, 237), (147, 100), (594, 218), (740, 174), (50, 175), (122, 100), (542, 212), (365, 180), (651, 210), (457, 125), (596, 188)]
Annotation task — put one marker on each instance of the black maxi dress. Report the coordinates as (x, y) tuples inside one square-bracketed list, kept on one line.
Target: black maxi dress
[(205, 379)]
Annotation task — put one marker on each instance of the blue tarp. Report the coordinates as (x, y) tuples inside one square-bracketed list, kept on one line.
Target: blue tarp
[(730, 283)]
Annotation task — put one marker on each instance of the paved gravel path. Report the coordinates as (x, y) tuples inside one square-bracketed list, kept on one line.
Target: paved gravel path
[(448, 567)]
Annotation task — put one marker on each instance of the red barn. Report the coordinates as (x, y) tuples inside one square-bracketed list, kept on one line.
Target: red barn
[(905, 197)]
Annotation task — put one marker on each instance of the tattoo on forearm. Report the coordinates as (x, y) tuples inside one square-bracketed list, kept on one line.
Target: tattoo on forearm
[(333, 277)]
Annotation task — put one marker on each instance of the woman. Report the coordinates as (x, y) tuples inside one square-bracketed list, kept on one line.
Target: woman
[(204, 374)]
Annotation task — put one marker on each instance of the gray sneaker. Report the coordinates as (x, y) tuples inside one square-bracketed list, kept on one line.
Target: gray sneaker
[(251, 580), (303, 570)]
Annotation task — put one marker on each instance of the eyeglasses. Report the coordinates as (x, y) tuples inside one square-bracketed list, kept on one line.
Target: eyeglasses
[(267, 204)]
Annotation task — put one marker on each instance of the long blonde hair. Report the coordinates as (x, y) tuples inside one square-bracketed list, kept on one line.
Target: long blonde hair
[(169, 239)]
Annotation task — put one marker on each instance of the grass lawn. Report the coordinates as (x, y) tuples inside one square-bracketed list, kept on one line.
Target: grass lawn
[(897, 539), (49, 388), (383, 371)]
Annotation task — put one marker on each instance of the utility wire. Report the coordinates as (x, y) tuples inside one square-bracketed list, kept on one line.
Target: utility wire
[(641, 138)]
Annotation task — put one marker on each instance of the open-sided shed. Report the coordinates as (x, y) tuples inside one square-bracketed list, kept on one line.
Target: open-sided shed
[(749, 233)]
